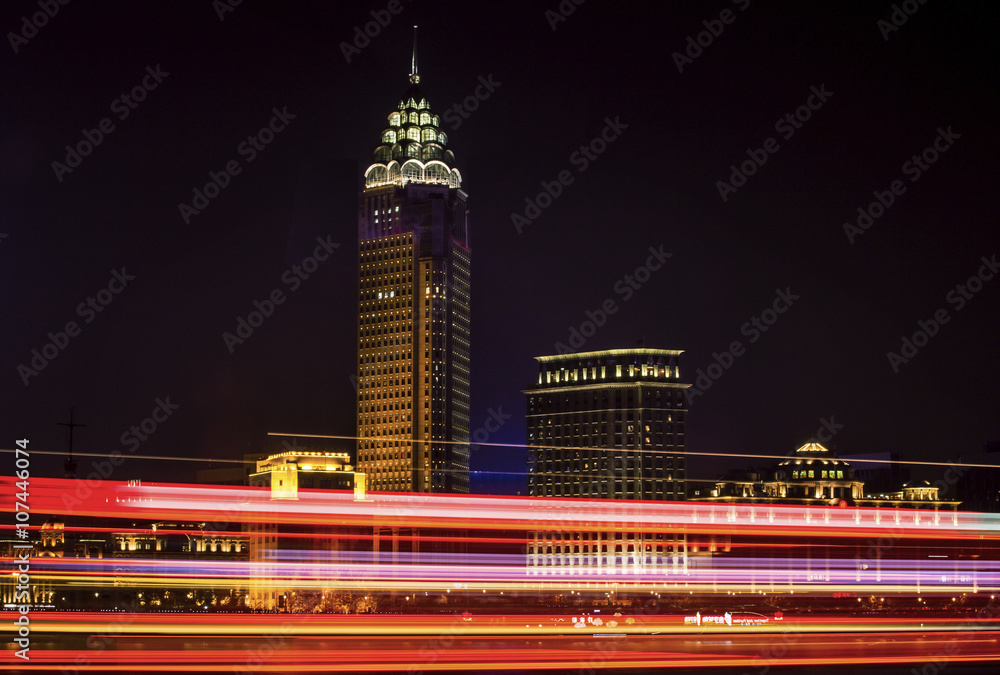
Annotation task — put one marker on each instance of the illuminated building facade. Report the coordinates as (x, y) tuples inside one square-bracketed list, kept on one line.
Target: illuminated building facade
[(815, 476), (413, 308), (327, 543), (917, 494), (607, 424), (286, 472)]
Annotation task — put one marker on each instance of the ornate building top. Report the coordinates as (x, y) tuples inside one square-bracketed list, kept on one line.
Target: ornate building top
[(413, 149)]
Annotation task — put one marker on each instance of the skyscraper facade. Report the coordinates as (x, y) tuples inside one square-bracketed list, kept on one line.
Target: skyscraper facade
[(608, 424), (414, 263)]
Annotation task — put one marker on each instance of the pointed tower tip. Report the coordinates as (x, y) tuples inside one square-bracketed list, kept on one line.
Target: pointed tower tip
[(414, 74)]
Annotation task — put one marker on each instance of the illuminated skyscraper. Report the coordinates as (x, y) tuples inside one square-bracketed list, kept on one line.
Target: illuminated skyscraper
[(607, 424), (413, 308)]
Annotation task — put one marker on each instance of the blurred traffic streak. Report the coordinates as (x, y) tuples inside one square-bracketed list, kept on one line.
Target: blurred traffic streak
[(166, 576)]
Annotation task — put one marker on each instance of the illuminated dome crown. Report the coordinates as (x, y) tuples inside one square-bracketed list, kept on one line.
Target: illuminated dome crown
[(413, 149)]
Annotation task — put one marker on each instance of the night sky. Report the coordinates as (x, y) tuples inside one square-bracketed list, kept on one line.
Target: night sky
[(868, 100)]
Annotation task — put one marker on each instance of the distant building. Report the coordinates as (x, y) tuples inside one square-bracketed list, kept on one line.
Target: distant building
[(608, 424), (289, 471), (114, 539), (40, 588), (916, 494), (332, 543), (814, 475)]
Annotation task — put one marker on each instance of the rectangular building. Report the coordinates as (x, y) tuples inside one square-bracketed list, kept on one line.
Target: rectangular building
[(414, 291), (608, 424)]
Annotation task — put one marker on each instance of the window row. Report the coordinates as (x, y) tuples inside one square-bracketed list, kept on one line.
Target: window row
[(425, 135), (422, 118)]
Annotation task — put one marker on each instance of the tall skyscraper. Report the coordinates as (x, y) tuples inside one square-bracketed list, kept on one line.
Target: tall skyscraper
[(413, 307), (607, 424)]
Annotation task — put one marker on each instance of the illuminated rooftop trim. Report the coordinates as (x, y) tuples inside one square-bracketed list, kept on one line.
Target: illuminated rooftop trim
[(603, 386), (609, 352), (412, 170), (811, 447), (321, 461), (306, 453)]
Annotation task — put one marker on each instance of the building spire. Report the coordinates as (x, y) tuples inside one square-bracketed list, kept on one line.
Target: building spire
[(414, 74)]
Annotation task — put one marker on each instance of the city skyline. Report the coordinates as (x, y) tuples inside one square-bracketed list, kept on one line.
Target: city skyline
[(814, 186)]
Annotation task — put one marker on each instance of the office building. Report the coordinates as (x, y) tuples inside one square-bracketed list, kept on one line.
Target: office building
[(413, 308), (607, 424)]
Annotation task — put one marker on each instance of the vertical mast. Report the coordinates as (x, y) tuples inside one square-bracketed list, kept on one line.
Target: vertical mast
[(414, 73), (70, 464)]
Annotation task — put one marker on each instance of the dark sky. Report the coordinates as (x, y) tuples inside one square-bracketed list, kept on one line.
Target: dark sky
[(887, 94)]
